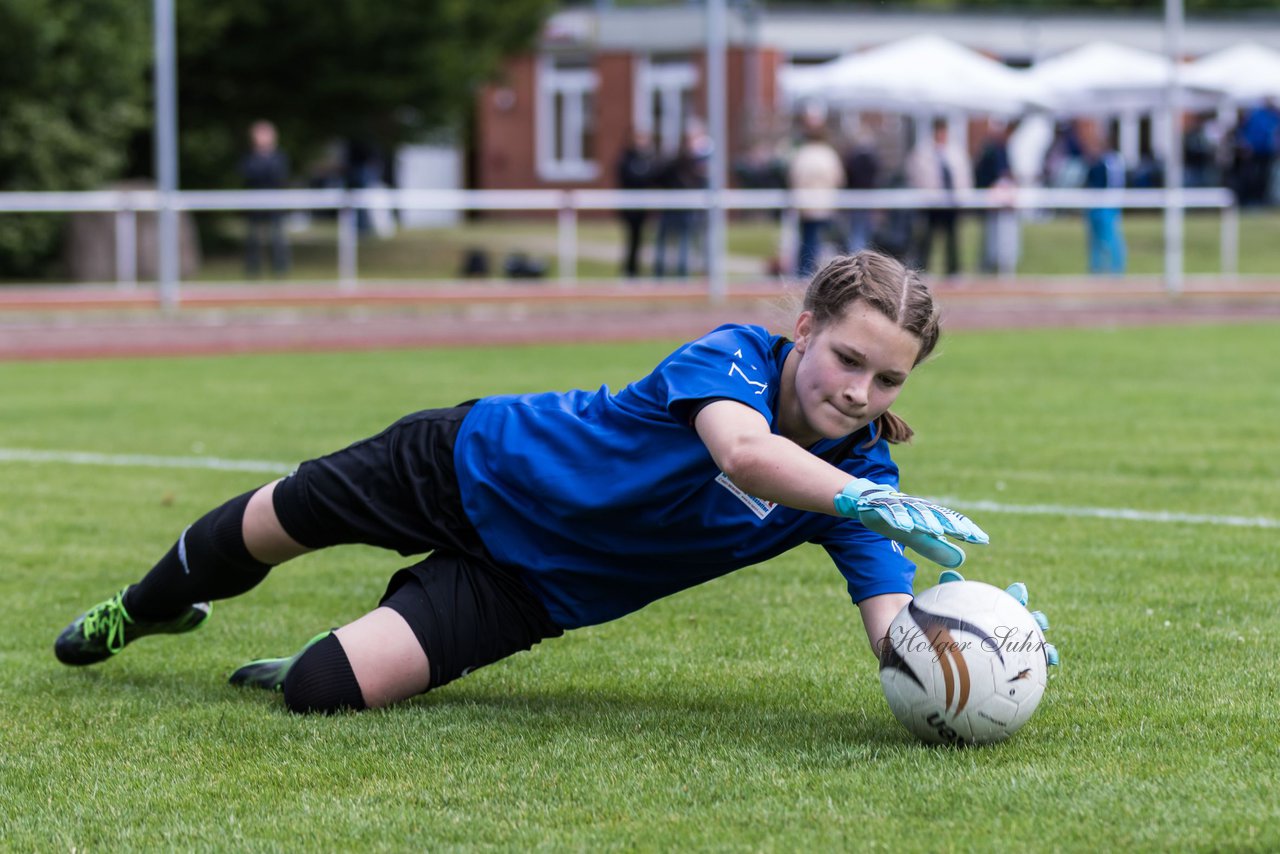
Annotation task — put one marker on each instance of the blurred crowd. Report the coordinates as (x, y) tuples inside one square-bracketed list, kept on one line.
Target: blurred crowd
[(679, 230), (355, 163), (1219, 149)]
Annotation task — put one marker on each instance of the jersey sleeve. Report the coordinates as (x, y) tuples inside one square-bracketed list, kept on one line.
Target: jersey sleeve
[(729, 363), (871, 563)]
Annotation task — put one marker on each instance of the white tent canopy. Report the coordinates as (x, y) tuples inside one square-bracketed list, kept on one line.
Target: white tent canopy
[(917, 74), (802, 82), (1102, 77), (1244, 72)]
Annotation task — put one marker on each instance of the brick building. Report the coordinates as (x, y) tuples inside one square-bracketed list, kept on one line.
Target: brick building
[(560, 118)]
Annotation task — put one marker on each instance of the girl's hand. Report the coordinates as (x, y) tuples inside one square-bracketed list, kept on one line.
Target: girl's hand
[(1018, 591), (918, 524)]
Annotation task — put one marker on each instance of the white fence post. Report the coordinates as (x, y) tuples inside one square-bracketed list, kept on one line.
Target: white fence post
[(1230, 241), (348, 241), (716, 99), (789, 239), (168, 230), (567, 238), (126, 221)]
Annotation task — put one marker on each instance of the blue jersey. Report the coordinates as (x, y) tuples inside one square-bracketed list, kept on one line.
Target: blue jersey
[(606, 502)]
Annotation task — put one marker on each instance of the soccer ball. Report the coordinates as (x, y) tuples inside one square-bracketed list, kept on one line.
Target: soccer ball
[(964, 663)]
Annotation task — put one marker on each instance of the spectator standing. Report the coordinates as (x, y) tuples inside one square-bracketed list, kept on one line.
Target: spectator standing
[(938, 165), (1199, 154), (363, 171), (700, 146), (763, 167), (816, 170), (687, 170), (1000, 238), (265, 167), (1107, 250), (1260, 137), (861, 172), (637, 170), (1064, 161)]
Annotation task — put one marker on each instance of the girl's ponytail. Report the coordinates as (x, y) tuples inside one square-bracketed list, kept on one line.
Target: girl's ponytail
[(892, 429)]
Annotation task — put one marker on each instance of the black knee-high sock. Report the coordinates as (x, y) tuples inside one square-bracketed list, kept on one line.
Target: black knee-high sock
[(321, 680), (209, 561)]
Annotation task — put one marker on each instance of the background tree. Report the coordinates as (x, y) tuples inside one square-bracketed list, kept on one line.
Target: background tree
[(72, 91), (377, 71), (75, 86)]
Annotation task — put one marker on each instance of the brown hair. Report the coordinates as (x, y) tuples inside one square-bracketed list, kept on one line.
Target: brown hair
[(889, 287)]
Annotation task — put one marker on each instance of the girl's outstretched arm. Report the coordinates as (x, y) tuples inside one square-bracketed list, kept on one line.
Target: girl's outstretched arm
[(877, 615), (774, 468), (764, 464)]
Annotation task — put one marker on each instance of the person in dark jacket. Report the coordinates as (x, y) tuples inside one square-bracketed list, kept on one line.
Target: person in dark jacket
[(637, 170), (861, 172), (265, 167), (687, 170), (993, 171)]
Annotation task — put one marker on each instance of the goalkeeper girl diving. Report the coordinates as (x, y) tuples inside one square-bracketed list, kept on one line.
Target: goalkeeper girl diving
[(542, 513)]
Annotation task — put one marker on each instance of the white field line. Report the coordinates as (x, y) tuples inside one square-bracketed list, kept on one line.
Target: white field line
[(23, 455), (1114, 513), (84, 458)]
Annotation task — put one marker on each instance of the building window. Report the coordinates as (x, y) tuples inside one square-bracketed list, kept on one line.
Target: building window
[(566, 120), (664, 100)]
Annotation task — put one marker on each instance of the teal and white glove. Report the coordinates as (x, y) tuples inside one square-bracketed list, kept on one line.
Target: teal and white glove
[(918, 524), (1018, 591)]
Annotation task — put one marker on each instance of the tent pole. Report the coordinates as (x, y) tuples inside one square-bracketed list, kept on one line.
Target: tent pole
[(1173, 201)]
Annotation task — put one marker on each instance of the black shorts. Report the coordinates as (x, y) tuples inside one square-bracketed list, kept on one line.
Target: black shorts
[(396, 490), (399, 490), (466, 613)]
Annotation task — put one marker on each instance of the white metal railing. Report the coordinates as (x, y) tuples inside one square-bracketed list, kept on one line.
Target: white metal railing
[(126, 204)]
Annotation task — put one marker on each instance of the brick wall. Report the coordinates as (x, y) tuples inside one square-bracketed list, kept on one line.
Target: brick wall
[(505, 147)]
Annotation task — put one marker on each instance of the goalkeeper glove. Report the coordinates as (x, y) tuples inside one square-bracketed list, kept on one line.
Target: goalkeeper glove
[(918, 524)]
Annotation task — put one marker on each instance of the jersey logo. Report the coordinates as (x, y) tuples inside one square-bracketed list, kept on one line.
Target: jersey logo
[(734, 368), (758, 506)]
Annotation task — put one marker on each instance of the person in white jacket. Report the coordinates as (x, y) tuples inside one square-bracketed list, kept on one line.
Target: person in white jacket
[(938, 165), (815, 169)]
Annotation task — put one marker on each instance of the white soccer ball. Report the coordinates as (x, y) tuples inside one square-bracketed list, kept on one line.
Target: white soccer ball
[(964, 663)]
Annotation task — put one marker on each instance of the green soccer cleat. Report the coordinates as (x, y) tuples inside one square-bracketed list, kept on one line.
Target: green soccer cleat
[(107, 628), (268, 673)]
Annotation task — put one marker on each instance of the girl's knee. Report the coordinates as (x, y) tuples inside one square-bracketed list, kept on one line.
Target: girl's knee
[(322, 680), (264, 536), (386, 656), (372, 662)]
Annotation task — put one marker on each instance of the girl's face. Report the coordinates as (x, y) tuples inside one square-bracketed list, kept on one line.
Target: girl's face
[(846, 374)]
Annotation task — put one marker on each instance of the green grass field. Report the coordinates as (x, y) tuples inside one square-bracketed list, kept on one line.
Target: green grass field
[(742, 715)]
